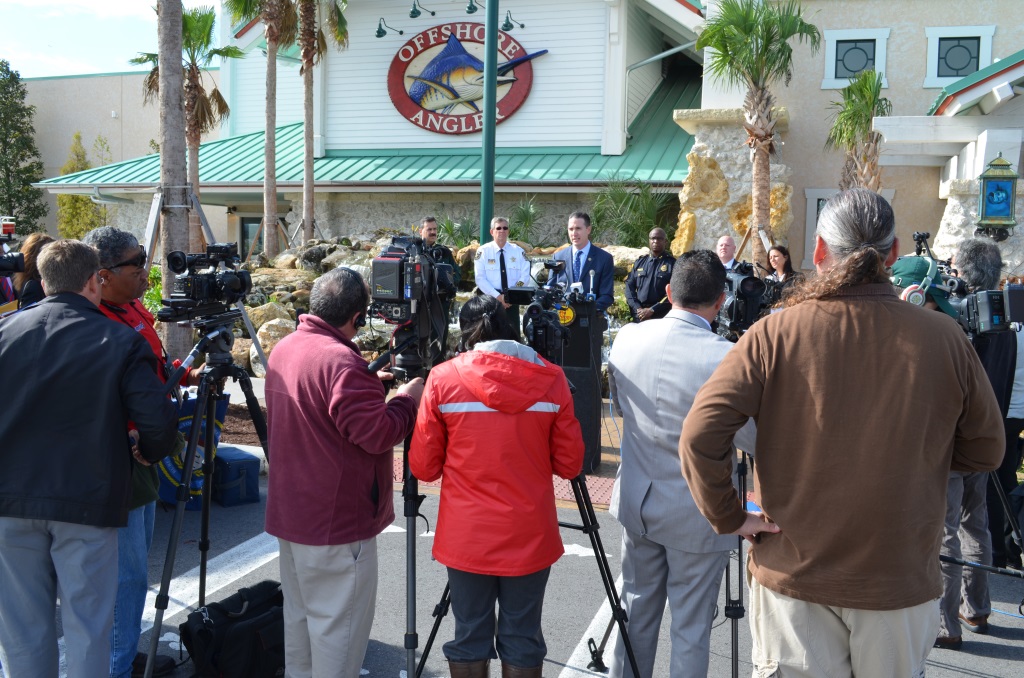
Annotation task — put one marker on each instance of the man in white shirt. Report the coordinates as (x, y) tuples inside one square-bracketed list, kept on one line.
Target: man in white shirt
[(726, 251), (500, 265)]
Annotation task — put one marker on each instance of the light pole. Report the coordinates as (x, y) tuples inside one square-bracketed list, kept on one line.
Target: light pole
[(490, 119)]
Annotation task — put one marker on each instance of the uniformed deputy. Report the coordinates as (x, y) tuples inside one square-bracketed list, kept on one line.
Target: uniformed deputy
[(645, 286), (500, 265)]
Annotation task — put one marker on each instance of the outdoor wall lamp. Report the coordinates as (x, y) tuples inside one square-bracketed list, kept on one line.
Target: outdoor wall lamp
[(416, 7), (381, 25), (510, 22), (998, 193), (471, 8)]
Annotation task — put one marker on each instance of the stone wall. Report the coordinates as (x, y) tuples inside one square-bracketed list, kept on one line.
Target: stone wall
[(958, 222), (342, 214), (716, 198)]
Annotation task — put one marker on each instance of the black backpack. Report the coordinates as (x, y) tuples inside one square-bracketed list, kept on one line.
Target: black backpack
[(241, 636)]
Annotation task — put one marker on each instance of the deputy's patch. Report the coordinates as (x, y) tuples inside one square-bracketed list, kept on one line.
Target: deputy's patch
[(664, 267), (478, 254), (520, 283)]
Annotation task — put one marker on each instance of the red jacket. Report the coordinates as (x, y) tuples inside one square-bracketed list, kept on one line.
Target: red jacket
[(331, 436), (497, 427)]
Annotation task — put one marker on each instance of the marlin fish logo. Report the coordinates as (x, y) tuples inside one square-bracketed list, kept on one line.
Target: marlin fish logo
[(456, 77)]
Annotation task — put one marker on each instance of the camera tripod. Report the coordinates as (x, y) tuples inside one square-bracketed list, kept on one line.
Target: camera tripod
[(589, 527), (1011, 518), (734, 609), (219, 366)]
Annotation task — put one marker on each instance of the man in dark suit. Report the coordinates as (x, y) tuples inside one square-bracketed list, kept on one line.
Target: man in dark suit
[(583, 259), (646, 285)]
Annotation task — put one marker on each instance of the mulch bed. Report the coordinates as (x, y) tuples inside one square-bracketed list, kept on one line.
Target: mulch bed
[(238, 427)]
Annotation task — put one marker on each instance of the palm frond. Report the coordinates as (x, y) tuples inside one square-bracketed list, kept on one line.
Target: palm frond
[(288, 23)]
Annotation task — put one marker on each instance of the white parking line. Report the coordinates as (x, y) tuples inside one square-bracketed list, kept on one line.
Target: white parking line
[(221, 571), (576, 666)]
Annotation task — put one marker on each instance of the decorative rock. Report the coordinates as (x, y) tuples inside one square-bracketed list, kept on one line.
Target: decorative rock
[(625, 257), (285, 261), (256, 298), (273, 332), (261, 315), (685, 231), (255, 366), (240, 352), (300, 298)]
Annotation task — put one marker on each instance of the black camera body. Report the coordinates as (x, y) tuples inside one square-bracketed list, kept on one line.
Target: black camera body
[(206, 283), (542, 326), (981, 311), (12, 262), (746, 298), (409, 288)]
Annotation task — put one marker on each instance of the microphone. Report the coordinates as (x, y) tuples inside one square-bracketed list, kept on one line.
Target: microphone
[(590, 294)]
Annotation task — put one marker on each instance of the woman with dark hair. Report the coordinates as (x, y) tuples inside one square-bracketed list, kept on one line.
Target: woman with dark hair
[(496, 421), (783, 275), (29, 283)]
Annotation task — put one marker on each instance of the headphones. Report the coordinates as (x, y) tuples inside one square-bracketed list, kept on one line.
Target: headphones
[(361, 320), (917, 293)]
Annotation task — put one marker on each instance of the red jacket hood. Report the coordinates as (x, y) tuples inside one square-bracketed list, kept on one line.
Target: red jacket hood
[(504, 382)]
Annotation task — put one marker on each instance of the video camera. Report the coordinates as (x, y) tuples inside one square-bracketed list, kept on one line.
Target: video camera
[(542, 326), (409, 288), (205, 284), (12, 262), (978, 312), (746, 299)]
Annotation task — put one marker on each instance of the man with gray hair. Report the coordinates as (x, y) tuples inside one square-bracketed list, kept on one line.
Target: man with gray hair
[(66, 456), (331, 434), (864, 403)]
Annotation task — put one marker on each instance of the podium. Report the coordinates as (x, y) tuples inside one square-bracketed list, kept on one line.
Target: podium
[(581, 362)]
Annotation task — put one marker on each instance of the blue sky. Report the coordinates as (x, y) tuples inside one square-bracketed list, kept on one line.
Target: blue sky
[(43, 38)]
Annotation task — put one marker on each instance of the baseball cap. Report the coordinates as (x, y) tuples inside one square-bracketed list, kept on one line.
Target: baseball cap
[(909, 271)]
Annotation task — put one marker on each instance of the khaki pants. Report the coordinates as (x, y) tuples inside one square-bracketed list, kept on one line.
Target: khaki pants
[(796, 638), (330, 593)]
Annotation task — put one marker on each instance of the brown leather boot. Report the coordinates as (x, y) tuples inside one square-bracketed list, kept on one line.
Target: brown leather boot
[(480, 669), (509, 671)]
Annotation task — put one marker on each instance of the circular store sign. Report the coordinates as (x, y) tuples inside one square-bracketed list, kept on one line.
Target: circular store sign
[(436, 79)]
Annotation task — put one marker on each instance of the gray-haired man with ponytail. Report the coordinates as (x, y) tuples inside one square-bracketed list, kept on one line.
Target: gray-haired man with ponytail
[(863, 405)]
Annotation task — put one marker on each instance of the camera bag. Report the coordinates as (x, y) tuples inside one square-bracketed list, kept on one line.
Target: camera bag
[(241, 636), (236, 477)]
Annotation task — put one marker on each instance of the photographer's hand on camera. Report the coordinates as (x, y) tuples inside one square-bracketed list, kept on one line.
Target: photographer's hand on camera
[(413, 388)]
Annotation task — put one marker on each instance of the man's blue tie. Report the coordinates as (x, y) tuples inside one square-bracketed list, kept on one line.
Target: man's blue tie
[(577, 265)]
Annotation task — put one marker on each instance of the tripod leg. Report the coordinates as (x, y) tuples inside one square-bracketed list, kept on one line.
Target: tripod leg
[(411, 508), (204, 529), (591, 527), (162, 597), (255, 412), (1011, 517), (440, 612)]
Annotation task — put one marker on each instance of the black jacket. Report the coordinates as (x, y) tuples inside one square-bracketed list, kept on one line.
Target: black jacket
[(72, 381)]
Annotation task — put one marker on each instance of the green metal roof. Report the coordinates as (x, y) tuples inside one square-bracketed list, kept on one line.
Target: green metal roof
[(975, 78), (655, 153)]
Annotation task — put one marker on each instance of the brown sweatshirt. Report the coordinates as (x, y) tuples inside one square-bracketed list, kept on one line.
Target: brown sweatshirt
[(863, 403)]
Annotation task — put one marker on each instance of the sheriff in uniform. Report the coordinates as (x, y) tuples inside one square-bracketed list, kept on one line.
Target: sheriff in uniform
[(645, 286), (500, 265)]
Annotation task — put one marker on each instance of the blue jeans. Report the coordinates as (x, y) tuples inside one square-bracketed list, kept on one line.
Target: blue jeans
[(133, 542)]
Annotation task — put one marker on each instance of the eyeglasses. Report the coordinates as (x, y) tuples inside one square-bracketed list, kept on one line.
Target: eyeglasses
[(138, 260), (500, 228)]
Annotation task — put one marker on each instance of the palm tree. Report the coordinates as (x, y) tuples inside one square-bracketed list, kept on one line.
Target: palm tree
[(313, 44), (174, 220), (204, 109), (851, 128), (279, 21), (750, 39)]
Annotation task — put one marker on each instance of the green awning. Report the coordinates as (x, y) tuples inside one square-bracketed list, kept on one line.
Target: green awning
[(656, 153)]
